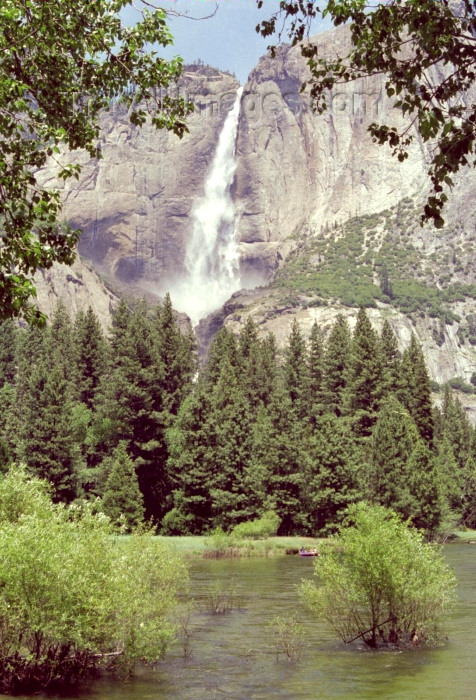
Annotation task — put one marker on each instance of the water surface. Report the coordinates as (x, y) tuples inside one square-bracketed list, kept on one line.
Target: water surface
[(233, 655)]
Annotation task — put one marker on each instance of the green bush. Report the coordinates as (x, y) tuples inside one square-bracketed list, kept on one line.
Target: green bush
[(460, 384), (288, 636), (219, 544), (263, 527), (72, 597), (380, 582)]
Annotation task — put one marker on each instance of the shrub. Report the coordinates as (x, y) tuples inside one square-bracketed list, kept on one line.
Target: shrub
[(221, 598), (220, 544), (263, 527), (288, 636), (72, 597), (459, 384), (381, 583)]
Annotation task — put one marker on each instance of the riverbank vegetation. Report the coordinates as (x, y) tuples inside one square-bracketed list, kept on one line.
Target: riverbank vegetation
[(303, 432), (73, 599)]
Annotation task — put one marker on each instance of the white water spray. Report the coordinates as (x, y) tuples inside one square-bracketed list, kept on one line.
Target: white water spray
[(212, 256)]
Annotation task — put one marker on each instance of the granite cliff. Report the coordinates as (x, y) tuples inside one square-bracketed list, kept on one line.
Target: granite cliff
[(133, 204), (325, 219)]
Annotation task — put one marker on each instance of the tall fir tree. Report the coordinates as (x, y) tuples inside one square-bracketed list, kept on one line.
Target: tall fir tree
[(90, 356), (426, 507), (316, 372), (120, 324), (364, 377), (59, 340), (390, 359), (456, 427), (415, 392), (332, 477), (177, 355), (256, 473), (335, 365), (31, 349), (229, 436), (296, 372), (8, 343), (224, 347), (451, 478), (458, 431), (190, 463), (131, 408), (46, 444), (122, 500), (394, 438), (267, 369), (281, 456), (252, 374)]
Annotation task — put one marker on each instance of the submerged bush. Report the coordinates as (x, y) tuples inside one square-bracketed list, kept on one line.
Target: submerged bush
[(380, 582), (288, 636), (73, 598)]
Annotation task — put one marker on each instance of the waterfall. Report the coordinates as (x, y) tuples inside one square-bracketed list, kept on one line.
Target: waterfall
[(212, 257)]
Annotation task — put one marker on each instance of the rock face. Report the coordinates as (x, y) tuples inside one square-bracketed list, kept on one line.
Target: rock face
[(133, 204), (296, 167), (299, 175), (79, 287)]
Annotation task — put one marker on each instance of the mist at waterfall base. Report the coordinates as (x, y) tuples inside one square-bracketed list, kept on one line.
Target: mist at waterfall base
[(212, 261)]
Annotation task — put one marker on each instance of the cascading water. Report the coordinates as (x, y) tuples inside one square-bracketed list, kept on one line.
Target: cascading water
[(212, 257)]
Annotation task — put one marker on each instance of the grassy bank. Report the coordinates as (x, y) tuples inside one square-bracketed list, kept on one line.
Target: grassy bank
[(465, 535), (198, 546), (192, 546)]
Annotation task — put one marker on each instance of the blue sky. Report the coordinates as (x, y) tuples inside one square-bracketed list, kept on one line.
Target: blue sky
[(227, 40)]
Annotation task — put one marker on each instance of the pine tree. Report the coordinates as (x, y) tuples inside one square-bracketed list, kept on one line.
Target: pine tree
[(281, 457), (122, 501), (131, 408), (256, 473), (332, 479), (296, 372), (459, 433), (385, 284), (189, 466), (120, 323), (469, 489), (364, 377), (335, 365), (316, 371), (394, 438), (229, 437), (90, 356), (415, 393), (451, 477), (456, 427), (390, 359), (60, 341), (251, 376), (177, 355), (224, 347), (8, 342), (425, 510), (46, 444), (267, 369)]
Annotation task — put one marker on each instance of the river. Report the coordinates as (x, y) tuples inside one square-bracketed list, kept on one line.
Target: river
[(233, 656)]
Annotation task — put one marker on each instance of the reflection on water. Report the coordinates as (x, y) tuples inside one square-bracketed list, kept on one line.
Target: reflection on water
[(232, 656)]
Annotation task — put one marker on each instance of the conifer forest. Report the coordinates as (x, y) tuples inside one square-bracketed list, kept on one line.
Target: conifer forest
[(129, 420)]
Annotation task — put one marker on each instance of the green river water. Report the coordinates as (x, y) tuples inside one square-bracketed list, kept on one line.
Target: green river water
[(232, 656)]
